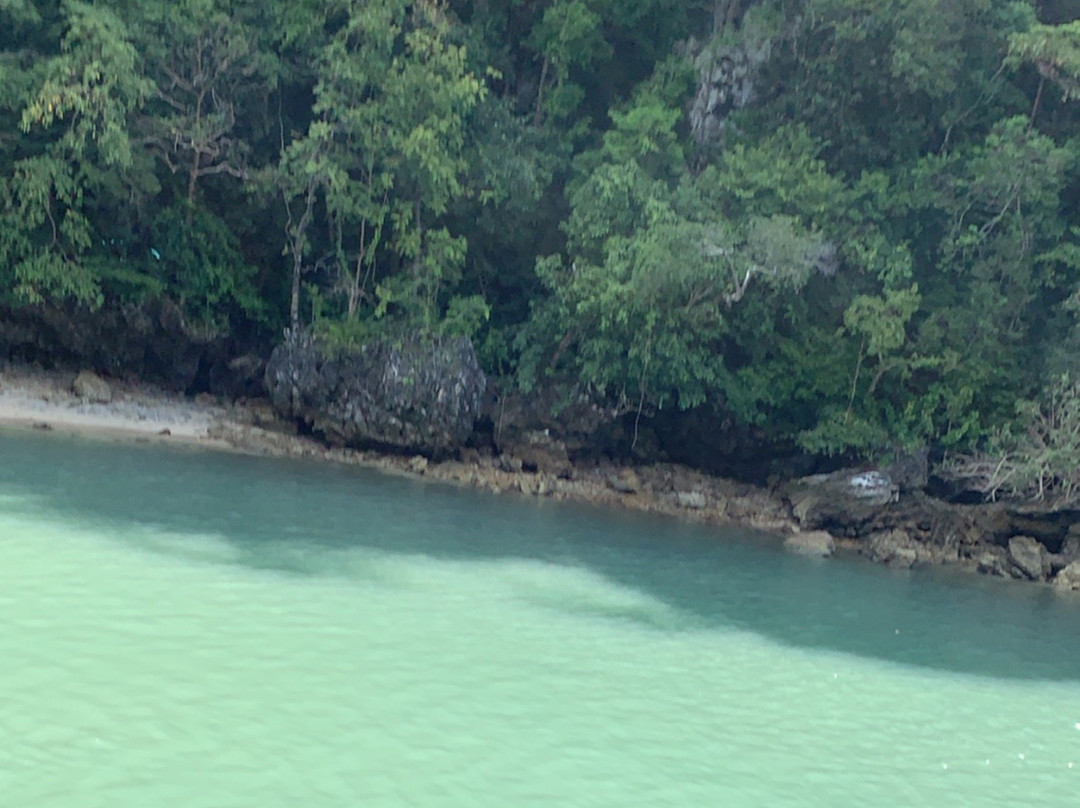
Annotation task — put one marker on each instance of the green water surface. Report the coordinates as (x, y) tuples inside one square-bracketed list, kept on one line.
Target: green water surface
[(209, 631)]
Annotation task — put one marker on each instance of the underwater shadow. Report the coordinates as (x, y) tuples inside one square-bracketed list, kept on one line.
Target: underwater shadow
[(263, 509)]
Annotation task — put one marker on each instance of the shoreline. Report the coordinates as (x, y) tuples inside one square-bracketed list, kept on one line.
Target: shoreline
[(34, 399), (31, 398)]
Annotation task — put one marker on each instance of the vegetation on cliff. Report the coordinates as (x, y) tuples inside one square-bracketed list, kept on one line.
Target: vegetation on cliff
[(847, 224)]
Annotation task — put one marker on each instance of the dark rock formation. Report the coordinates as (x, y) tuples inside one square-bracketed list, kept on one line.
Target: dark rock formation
[(709, 438), (551, 426), (415, 395), (537, 450), (910, 470), (239, 377)]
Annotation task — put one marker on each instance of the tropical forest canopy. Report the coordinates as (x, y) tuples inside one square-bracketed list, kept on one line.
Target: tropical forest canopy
[(850, 224)]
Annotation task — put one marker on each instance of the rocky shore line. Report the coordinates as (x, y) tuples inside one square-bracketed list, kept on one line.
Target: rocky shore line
[(881, 514)]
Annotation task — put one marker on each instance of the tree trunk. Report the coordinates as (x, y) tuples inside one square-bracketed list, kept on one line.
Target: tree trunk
[(196, 160), (298, 238), (193, 177), (354, 286), (538, 113)]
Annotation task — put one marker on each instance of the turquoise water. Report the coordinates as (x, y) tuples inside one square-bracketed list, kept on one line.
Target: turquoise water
[(189, 629)]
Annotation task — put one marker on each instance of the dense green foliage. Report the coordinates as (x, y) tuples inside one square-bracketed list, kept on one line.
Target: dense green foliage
[(852, 224)]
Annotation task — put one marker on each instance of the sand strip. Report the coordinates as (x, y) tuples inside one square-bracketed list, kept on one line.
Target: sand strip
[(44, 400)]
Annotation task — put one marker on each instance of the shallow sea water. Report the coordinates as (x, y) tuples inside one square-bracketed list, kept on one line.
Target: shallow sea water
[(193, 629)]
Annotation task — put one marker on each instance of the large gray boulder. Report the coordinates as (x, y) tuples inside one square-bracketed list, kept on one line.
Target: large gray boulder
[(420, 395), (843, 500), (1030, 557)]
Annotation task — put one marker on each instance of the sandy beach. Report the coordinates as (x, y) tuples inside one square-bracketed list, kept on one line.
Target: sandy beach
[(37, 399)]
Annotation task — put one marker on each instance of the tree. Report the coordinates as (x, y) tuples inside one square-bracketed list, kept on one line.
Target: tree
[(206, 64), (384, 156), (1055, 52), (84, 106), (640, 311)]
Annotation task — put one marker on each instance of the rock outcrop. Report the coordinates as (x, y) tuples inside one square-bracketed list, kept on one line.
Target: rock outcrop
[(413, 394), (1068, 580), (910, 470), (816, 543), (148, 342), (1029, 557), (550, 427), (993, 561), (91, 387), (897, 549), (538, 450)]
